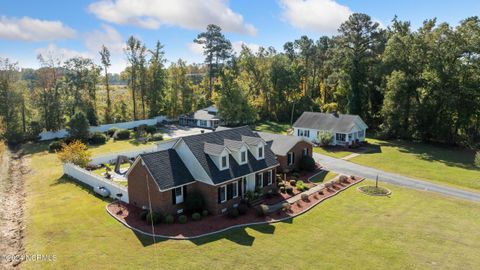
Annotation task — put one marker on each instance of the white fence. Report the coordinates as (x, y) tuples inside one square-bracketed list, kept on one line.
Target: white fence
[(111, 158), (94, 180), (50, 135)]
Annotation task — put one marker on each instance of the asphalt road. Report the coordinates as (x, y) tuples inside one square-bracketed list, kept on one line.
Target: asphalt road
[(350, 168)]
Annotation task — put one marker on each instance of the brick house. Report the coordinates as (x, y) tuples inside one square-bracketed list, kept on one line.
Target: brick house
[(288, 150), (221, 165)]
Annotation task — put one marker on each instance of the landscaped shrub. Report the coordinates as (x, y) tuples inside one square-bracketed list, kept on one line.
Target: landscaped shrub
[(301, 186), (261, 210), (153, 218), (156, 137), (205, 213), (233, 212), (242, 208), (286, 206), (282, 189), (196, 216), (304, 197), (169, 219), (477, 159), (194, 202), (307, 163), (151, 129), (182, 219), (293, 182), (343, 178), (123, 134), (296, 174), (325, 138), (55, 146), (143, 215), (289, 190), (111, 131), (98, 138), (280, 184)]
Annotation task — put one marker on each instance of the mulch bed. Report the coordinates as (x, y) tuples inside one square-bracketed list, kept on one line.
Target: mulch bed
[(130, 216)]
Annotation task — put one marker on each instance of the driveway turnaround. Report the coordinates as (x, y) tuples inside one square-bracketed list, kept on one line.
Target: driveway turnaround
[(350, 168)]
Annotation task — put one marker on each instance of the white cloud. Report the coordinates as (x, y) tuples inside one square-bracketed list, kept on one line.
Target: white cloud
[(108, 36), (61, 53), (316, 15), (184, 13), (29, 29), (195, 48), (237, 46)]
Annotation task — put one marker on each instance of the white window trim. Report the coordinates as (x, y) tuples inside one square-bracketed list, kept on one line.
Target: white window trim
[(291, 159), (224, 193), (226, 162), (270, 178), (261, 180), (235, 195), (177, 196), (243, 152)]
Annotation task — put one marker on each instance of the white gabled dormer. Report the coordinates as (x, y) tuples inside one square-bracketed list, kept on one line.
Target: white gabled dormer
[(238, 150), (218, 154), (256, 145)]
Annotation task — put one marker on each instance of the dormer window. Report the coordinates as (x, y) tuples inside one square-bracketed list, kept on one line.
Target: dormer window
[(224, 162), (243, 156), (260, 152)]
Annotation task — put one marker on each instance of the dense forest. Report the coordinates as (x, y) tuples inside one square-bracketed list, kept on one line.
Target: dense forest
[(421, 84)]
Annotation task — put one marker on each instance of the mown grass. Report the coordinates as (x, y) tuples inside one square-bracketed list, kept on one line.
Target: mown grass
[(336, 152), (273, 127), (445, 165), (409, 230), (323, 176)]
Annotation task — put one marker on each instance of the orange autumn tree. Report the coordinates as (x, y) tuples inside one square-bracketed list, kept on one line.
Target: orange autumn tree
[(76, 153)]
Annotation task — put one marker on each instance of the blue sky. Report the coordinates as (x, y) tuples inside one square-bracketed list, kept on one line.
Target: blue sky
[(80, 27)]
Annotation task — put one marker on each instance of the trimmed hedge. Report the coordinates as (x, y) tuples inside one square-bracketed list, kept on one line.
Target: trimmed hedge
[(196, 216), (205, 213), (233, 212), (151, 129), (98, 138), (169, 219), (55, 146), (261, 210), (289, 190), (153, 218), (123, 134), (156, 137), (293, 182), (304, 197), (182, 219)]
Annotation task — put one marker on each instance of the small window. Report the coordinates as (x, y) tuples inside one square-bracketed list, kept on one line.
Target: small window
[(178, 195), (235, 190), (340, 137), (243, 156), (270, 178), (290, 158), (259, 180), (223, 194), (224, 161), (305, 152), (260, 152)]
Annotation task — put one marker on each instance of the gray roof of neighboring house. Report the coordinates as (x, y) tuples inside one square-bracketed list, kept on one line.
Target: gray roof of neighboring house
[(204, 114), (281, 144), (167, 168), (196, 143), (328, 121), (220, 128)]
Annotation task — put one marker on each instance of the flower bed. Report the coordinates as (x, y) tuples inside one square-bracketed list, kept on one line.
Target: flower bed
[(129, 215)]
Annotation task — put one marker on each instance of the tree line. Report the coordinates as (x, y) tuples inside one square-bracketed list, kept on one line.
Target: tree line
[(421, 84)]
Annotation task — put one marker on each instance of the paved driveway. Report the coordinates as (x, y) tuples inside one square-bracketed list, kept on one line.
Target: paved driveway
[(350, 168), (175, 131)]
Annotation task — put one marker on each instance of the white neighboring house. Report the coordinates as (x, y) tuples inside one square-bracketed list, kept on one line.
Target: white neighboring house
[(346, 129), (205, 118)]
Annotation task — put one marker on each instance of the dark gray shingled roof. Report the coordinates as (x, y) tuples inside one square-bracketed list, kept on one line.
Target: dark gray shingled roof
[(204, 114), (196, 145), (281, 144), (167, 168), (327, 121), (253, 141)]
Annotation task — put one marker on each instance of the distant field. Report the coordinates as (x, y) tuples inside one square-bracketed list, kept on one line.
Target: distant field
[(409, 230), (445, 165)]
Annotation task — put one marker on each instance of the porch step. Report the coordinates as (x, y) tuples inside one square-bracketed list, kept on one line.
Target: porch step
[(256, 202)]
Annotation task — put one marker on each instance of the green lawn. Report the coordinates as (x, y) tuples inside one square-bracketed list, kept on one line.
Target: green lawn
[(409, 230), (324, 176), (444, 165), (336, 152), (273, 127)]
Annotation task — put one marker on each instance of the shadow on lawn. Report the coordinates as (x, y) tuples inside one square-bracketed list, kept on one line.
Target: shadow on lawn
[(65, 179), (449, 155), (239, 236)]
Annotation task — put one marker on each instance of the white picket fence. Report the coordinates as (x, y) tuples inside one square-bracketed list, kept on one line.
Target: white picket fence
[(50, 135), (94, 180), (111, 158)]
